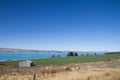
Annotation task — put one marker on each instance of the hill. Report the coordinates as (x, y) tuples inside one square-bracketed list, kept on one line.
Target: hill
[(25, 50)]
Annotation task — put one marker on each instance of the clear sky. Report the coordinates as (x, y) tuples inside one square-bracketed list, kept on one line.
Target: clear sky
[(87, 25)]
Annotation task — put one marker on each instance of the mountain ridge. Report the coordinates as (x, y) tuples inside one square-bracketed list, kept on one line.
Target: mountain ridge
[(26, 50)]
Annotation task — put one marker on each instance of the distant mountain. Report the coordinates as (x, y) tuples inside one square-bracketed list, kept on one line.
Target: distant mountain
[(32, 50), (25, 50), (15, 50)]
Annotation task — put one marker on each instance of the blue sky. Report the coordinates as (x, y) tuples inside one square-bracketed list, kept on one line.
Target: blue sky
[(87, 25)]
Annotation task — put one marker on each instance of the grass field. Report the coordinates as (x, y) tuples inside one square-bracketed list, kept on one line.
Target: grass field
[(67, 60)]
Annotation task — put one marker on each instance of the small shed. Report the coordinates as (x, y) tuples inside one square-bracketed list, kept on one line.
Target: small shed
[(26, 63)]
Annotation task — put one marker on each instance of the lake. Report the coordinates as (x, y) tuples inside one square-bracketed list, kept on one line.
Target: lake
[(27, 55)]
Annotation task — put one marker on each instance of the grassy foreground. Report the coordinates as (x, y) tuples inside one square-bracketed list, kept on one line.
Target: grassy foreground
[(67, 60)]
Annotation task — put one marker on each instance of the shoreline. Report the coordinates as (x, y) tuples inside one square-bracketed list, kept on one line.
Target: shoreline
[(20, 59), (25, 59)]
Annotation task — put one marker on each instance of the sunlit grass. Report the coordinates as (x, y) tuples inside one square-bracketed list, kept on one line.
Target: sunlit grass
[(67, 60)]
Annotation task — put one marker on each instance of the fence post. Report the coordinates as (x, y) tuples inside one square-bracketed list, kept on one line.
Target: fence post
[(34, 75)]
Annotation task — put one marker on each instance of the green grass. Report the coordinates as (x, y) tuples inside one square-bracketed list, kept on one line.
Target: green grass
[(68, 60)]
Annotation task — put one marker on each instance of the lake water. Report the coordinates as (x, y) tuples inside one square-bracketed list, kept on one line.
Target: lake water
[(27, 55)]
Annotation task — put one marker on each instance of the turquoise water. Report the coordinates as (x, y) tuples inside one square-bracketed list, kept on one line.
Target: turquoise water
[(27, 55)]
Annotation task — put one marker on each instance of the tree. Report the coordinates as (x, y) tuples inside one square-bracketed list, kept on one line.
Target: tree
[(95, 54), (70, 54), (87, 54), (75, 54), (58, 56), (53, 55), (82, 54)]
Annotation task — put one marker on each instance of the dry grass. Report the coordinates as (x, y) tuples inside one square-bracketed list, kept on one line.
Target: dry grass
[(106, 74), (87, 71), (89, 75)]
